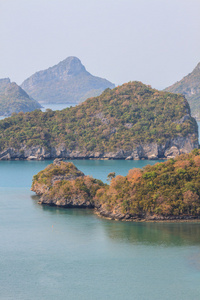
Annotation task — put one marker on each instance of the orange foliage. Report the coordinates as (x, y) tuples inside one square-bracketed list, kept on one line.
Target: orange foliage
[(79, 114), (115, 182), (134, 175), (126, 103), (197, 160), (190, 198), (182, 164)]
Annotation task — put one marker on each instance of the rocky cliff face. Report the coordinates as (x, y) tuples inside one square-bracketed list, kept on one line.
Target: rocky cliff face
[(66, 82), (189, 86), (14, 99), (169, 149)]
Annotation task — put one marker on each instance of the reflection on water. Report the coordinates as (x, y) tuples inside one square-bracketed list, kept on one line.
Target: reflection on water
[(151, 233), (165, 234), (53, 210)]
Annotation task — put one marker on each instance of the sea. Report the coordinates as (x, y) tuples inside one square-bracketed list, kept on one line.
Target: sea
[(49, 253)]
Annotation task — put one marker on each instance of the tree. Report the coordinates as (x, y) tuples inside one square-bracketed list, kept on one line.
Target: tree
[(111, 176)]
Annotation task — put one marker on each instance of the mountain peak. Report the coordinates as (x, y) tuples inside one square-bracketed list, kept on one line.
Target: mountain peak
[(70, 59), (66, 82), (71, 66), (197, 68)]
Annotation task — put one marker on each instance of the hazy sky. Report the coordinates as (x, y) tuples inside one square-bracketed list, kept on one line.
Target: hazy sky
[(153, 41)]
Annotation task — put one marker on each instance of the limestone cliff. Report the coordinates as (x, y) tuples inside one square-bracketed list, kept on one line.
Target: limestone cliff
[(170, 149)]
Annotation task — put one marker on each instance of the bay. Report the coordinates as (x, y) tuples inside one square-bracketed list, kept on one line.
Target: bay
[(53, 253)]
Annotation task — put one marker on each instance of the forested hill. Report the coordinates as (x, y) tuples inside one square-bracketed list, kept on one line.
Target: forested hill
[(189, 86), (169, 190), (14, 99), (66, 82), (132, 120)]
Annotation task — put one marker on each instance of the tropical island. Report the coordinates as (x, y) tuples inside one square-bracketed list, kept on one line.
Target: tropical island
[(165, 191), (132, 121), (13, 99)]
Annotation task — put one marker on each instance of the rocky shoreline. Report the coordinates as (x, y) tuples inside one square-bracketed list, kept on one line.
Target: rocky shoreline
[(122, 217), (62, 185), (149, 218), (170, 149)]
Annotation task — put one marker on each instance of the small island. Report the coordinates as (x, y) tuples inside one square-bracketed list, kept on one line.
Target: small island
[(166, 191)]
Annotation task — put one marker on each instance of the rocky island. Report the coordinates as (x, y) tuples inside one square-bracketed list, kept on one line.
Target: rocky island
[(14, 99), (62, 184), (164, 191), (66, 82), (132, 121)]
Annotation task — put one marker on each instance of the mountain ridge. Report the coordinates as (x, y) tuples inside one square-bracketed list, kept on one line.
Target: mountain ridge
[(189, 86)]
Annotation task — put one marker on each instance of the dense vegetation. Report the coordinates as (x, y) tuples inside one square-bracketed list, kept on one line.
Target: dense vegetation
[(121, 118), (13, 99), (189, 86), (66, 82), (171, 188)]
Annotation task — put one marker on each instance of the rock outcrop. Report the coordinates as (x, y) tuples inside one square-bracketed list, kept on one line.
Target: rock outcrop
[(62, 184), (66, 82)]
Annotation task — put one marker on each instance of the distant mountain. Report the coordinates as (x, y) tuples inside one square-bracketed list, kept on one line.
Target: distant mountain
[(14, 99), (189, 86), (66, 82)]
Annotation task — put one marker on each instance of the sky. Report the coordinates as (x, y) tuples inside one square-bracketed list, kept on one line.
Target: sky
[(153, 41)]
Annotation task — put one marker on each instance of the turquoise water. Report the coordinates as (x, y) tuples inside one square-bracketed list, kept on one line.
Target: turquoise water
[(51, 253)]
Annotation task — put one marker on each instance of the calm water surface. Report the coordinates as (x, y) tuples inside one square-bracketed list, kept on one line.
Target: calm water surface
[(51, 106), (50, 253), (56, 106)]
